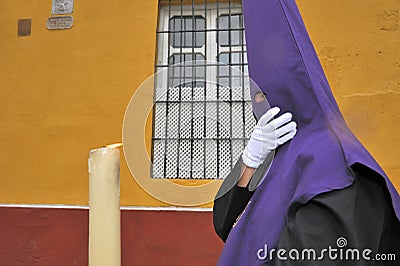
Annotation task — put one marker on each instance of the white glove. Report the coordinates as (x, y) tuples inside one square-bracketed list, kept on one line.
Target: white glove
[(268, 134)]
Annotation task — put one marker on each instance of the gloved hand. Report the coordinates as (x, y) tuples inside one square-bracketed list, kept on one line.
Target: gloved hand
[(268, 134)]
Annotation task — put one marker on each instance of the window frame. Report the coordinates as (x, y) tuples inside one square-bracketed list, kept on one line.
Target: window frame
[(212, 51)]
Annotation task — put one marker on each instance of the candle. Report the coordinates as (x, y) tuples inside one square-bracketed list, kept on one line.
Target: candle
[(104, 207)]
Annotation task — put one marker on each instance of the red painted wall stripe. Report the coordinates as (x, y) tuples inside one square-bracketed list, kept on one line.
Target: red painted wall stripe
[(40, 236)]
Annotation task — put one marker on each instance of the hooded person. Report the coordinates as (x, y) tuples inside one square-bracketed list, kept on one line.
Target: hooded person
[(323, 199)]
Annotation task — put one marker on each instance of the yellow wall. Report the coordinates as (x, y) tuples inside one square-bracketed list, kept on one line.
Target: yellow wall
[(64, 92), (358, 43)]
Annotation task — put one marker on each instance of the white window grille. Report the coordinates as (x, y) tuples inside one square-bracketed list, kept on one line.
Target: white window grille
[(203, 117)]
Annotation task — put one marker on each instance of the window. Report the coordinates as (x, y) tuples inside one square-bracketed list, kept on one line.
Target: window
[(202, 115)]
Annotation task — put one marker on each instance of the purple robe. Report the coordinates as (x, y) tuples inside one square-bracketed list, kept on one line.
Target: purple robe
[(284, 64)]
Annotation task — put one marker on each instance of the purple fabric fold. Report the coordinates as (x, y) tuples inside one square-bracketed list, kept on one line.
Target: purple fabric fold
[(284, 64)]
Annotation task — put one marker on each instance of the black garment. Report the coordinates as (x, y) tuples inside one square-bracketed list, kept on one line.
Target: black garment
[(228, 208), (361, 213), (231, 199)]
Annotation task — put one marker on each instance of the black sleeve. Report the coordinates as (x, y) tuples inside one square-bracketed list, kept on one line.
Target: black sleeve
[(231, 199), (361, 215), (228, 208)]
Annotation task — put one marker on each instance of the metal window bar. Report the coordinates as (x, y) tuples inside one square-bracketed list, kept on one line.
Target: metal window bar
[(180, 92), (191, 103), (167, 108), (205, 106), (223, 146), (217, 105), (230, 75), (242, 81)]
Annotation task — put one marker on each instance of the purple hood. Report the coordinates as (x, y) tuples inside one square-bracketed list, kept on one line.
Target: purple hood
[(283, 63)]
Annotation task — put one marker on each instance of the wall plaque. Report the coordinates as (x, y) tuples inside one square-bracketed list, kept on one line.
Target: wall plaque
[(24, 27), (59, 23), (62, 7)]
